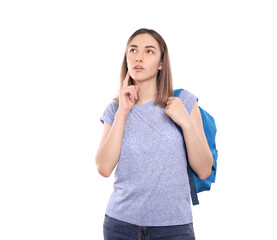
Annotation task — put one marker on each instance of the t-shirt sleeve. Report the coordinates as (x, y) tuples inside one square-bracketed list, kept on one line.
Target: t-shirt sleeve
[(188, 100), (109, 113)]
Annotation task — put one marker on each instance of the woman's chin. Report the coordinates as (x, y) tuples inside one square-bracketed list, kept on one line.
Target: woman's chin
[(136, 78)]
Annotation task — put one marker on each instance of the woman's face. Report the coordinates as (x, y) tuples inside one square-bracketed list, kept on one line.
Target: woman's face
[(143, 58)]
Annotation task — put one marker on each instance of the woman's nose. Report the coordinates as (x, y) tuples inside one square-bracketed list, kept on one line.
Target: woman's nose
[(139, 59)]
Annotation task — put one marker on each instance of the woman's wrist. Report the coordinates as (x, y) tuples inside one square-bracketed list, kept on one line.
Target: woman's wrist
[(186, 125), (122, 112)]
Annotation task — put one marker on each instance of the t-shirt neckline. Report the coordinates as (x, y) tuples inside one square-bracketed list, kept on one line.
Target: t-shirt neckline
[(145, 104)]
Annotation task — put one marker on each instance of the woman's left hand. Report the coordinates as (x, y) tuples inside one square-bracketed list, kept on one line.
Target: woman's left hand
[(176, 110)]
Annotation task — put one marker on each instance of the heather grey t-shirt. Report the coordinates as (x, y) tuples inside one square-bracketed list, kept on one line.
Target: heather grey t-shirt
[(151, 185)]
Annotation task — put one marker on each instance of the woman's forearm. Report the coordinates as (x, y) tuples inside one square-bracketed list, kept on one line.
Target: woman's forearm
[(109, 151), (199, 155)]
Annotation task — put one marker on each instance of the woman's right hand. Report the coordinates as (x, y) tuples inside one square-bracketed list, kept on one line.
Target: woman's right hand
[(128, 95)]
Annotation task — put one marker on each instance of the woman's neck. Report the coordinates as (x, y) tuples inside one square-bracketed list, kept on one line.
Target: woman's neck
[(147, 91)]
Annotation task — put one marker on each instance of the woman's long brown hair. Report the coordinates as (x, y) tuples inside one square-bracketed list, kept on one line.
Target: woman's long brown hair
[(164, 76)]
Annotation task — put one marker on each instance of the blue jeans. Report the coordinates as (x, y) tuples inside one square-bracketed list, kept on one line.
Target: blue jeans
[(118, 230)]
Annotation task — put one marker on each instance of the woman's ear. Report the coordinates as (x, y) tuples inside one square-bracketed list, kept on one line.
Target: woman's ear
[(161, 66)]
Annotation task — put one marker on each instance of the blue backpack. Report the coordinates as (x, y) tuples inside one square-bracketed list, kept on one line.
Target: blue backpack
[(196, 184)]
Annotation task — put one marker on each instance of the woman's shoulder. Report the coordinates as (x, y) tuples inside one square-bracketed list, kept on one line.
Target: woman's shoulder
[(112, 106), (109, 113), (188, 99), (186, 94)]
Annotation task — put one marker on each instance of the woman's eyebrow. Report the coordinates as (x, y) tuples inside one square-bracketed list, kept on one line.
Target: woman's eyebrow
[(133, 46), (148, 46)]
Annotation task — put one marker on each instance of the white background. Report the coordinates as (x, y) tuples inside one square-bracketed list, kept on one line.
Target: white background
[(59, 68)]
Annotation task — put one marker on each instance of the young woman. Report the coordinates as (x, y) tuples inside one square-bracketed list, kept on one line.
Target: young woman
[(151, 196)]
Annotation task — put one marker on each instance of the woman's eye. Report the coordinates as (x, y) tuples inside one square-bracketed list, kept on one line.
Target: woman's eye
[(133, 50), (150, 51)]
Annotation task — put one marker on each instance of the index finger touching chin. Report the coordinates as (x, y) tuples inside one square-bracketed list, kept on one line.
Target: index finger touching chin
[(126, 80)]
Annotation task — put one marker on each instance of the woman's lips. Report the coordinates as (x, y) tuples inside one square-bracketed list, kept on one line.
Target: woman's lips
[(138, 68)]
